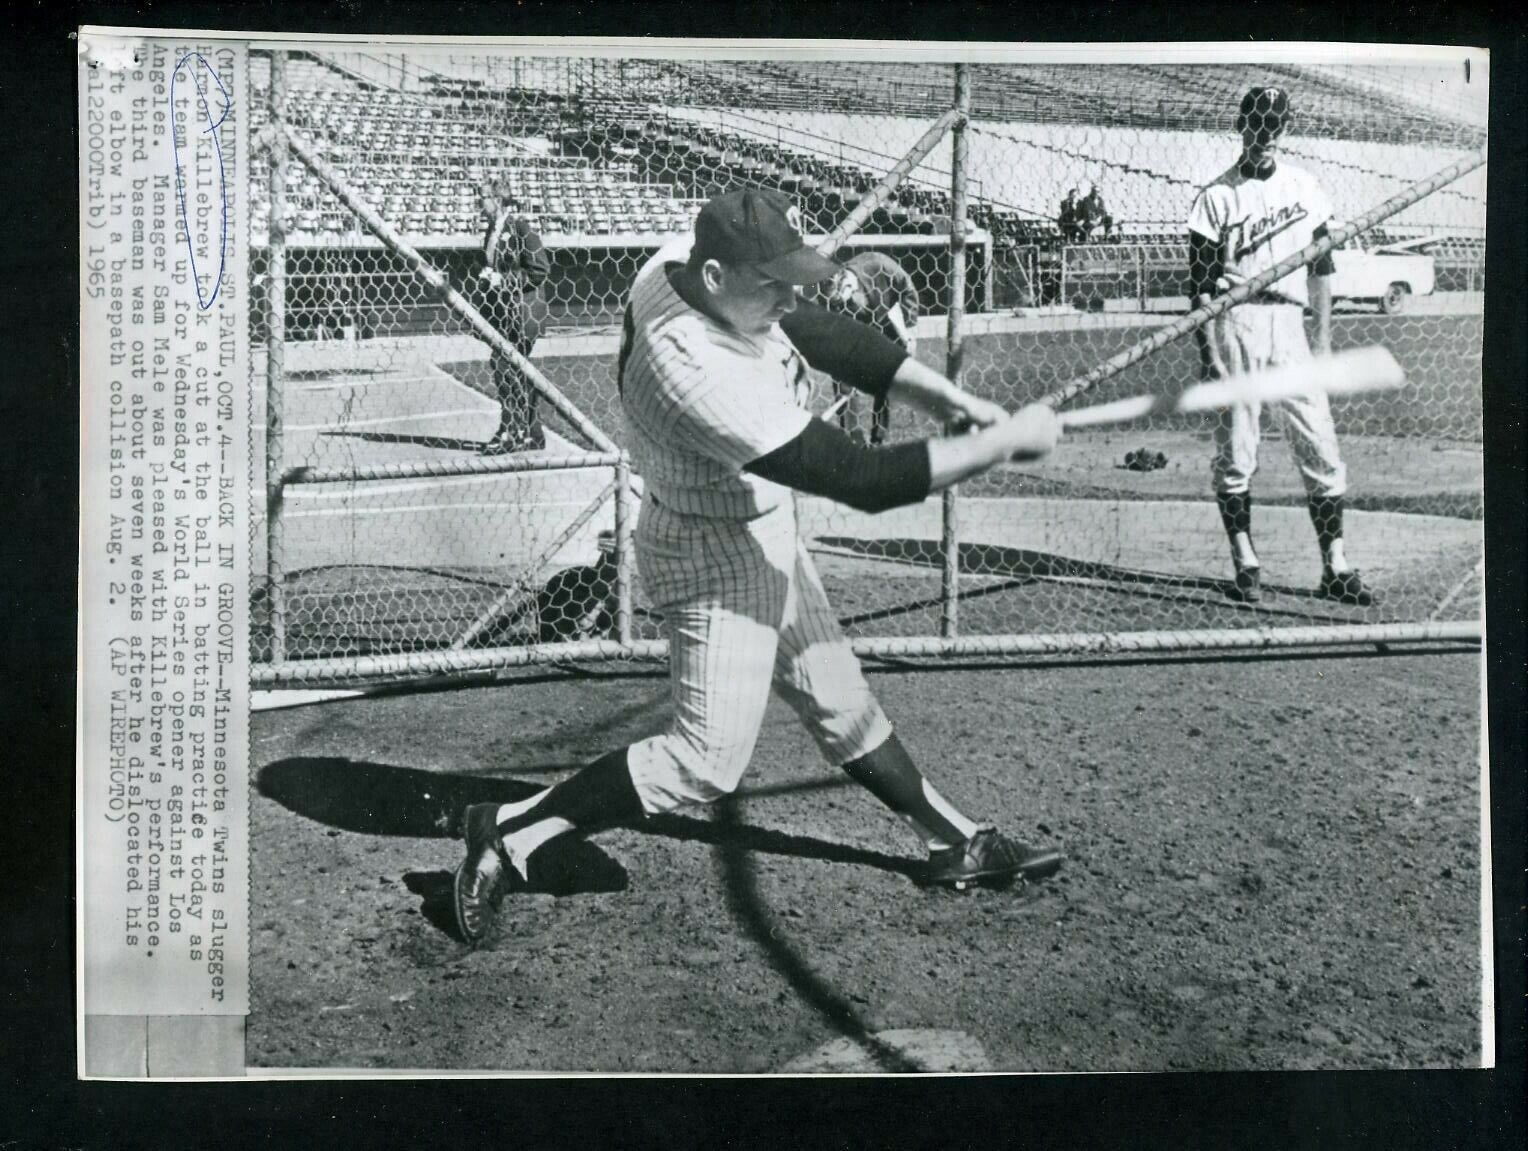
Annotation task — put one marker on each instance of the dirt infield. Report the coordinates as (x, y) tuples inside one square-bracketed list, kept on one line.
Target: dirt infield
[(1273, 864)]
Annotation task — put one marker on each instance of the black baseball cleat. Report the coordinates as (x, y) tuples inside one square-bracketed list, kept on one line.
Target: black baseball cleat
[(991, 859), (1346, 588), (1248, 587), (481, 879)]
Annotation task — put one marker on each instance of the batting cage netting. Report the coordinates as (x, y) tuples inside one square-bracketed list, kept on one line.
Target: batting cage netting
[(442, 245)]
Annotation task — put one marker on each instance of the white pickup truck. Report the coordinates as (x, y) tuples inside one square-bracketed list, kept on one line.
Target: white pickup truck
[(1385, 274)]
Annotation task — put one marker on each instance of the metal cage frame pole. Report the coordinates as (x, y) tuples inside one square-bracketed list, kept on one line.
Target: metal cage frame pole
[(624, 519), (525, 585), (275, 363), (877, 195), (949, 591), (353, 669)]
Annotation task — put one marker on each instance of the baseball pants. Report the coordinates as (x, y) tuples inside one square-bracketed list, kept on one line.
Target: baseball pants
[(746, 612), (519, 407), (1256, 336)]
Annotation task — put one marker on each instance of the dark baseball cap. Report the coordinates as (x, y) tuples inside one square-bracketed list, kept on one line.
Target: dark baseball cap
[(1266, 109), (760, 227)]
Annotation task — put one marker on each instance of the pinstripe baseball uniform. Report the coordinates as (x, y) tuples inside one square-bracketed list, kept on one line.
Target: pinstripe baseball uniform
[(714, 393), (718, 549), (1258, 221)]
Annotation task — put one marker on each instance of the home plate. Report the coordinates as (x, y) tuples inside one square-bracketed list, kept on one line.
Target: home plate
[(917, 1048)]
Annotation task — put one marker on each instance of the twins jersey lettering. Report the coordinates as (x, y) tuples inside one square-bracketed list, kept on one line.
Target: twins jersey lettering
[(1258, 222)]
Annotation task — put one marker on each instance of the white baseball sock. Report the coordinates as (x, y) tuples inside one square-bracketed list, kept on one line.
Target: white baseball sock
[(1336, 559), (508, 811), (1241, 550), (934, 840), (519, 845)]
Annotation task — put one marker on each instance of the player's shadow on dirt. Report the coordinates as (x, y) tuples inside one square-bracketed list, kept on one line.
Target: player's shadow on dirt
[(382, 798), (1024, 565), (386, 799), (561, 868)]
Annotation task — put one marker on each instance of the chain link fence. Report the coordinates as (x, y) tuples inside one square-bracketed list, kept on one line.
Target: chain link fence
[(442, 248)]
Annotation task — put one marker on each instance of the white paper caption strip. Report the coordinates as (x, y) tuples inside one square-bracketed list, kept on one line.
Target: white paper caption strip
[(163, 743)]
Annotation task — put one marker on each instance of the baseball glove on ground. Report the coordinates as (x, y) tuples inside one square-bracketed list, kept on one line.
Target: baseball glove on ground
[(1142, 460)]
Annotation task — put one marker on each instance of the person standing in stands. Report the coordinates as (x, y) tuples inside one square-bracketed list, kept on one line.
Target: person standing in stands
[(515, 265), (1067, 220)]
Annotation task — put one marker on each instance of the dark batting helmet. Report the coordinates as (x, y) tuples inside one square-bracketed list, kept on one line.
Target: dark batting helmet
[(1265, 111)]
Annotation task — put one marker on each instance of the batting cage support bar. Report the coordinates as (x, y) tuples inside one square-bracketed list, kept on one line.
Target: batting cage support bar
[(1459, 588), (431, 469), (873, 199), (1245, 291), (625, 519), (375, 667), (949, 502), (502, 604)]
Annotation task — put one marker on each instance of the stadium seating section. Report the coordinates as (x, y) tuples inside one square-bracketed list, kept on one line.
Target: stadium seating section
[(636, 151)]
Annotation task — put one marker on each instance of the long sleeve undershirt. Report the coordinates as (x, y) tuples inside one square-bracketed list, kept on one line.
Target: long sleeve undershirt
[(824, 461), (848, 351)]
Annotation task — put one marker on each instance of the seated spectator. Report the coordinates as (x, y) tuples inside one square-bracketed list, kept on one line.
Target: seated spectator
[(1093, 212)]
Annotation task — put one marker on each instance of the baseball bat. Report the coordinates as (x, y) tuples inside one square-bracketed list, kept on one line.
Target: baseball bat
[(1371, 369)]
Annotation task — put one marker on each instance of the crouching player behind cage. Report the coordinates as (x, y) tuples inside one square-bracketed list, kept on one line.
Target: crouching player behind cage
[(713, 388)]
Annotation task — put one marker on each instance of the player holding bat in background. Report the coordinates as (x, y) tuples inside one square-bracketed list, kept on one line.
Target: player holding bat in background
[(1258, 212), (713, 382)]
